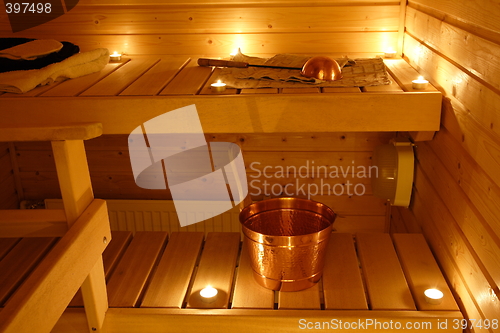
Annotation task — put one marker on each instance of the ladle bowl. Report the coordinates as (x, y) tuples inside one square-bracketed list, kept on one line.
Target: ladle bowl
[(322, 68)]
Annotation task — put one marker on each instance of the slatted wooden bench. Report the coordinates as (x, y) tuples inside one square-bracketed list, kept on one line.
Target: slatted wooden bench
[(126, 94), (154, 279)]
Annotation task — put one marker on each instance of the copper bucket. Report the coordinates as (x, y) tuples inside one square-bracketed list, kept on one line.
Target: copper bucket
[(286, 239)]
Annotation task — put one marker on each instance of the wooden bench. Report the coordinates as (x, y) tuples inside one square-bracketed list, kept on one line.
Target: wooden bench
[(154, 282), (126, 94)]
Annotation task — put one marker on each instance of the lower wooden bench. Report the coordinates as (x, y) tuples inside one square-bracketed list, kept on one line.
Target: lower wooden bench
[(371, 281)]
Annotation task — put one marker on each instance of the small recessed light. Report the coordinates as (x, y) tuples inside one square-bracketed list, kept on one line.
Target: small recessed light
[(433, 296)]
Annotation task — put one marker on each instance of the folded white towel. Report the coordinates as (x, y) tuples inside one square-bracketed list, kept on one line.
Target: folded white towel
[(32, 50), (75, 66)]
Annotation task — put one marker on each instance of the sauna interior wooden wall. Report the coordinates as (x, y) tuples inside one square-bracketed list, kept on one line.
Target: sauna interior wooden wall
[(456, 197), (455, 44)]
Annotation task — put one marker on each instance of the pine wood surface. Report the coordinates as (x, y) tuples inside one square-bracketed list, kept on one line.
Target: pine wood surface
[(457, 180), (180, 272)]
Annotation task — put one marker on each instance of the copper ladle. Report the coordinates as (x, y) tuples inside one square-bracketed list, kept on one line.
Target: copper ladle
[(319, 67), (322, 68)]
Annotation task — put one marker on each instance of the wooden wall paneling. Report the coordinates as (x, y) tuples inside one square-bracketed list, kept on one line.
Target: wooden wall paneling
[(470, 117), (9, 195), (477, 55), (127, 282), (120, 79), (155, 79), (447, 258), (408, 218), (221, 45), (170, 282), (144, 18), (484, 237), (397, 223), (338, 141), (480, 189), (466, 260), (470, 14)]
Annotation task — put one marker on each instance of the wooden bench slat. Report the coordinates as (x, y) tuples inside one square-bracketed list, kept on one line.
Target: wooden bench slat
[(404, 74), (110, 258), (422, 271), (189, 81), (153, 81), (342, 283), (6, 244), (207, 90), (121, 78), (170, 282), (76, 86), (216, 269), (307, 299), (130, 276), (20, 261), (248, 294), (385, 281)]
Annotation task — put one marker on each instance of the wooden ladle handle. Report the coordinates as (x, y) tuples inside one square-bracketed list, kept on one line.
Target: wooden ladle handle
[(221, 63)]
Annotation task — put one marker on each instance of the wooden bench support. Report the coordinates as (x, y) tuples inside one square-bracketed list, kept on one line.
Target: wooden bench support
[(33, 223), (42, 298)]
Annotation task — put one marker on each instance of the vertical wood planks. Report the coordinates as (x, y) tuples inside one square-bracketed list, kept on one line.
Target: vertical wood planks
[(422, 271), (385, 281), (155, 79), (131, 274), (342, 283), (248, 294), (216, 269), (121, 78), (19, 262), (171, 279)]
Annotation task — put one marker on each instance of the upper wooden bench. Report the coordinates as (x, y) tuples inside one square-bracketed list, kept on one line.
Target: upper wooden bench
[(126, 94)]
